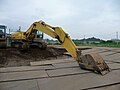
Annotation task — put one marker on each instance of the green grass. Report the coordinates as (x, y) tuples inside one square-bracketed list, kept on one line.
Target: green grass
[(115, 45), (102, 44)]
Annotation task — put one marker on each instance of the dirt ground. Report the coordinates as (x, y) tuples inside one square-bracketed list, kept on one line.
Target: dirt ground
[(63, 75), (14, 57)]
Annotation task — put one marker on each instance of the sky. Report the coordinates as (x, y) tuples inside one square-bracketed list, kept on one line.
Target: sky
[(79, 18)]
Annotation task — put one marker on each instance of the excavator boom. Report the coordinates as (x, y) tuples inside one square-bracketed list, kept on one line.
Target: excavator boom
[(91, 61)]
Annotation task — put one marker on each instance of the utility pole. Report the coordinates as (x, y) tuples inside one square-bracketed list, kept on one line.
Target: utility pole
[(19, 28), (117, 35), (84, 39), (9, 30), (84, 36)]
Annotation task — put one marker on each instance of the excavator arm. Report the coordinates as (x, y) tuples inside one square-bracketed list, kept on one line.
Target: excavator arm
[(91, 61)]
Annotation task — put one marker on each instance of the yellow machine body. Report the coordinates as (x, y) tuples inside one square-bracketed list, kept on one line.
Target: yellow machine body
[(18, 36)]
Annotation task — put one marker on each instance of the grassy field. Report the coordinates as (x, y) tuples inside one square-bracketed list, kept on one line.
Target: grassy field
[(102, 44), (116, 45)]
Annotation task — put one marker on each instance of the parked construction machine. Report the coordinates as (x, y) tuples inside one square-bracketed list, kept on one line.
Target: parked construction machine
[(3, 36), (92, 61)]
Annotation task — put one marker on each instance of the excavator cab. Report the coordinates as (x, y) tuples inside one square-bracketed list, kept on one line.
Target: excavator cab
[(38, 41), (39, 35)]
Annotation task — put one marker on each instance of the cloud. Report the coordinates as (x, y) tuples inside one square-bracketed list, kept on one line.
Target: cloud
[(77, 17)]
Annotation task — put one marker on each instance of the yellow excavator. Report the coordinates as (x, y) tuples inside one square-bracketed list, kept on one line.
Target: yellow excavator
[(28, 39), (92, 61)]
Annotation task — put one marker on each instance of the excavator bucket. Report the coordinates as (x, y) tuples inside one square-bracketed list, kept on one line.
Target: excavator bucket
[(94, 62)]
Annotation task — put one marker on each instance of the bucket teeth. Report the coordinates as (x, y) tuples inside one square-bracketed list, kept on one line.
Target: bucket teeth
[(94, 62), (103, 69)]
